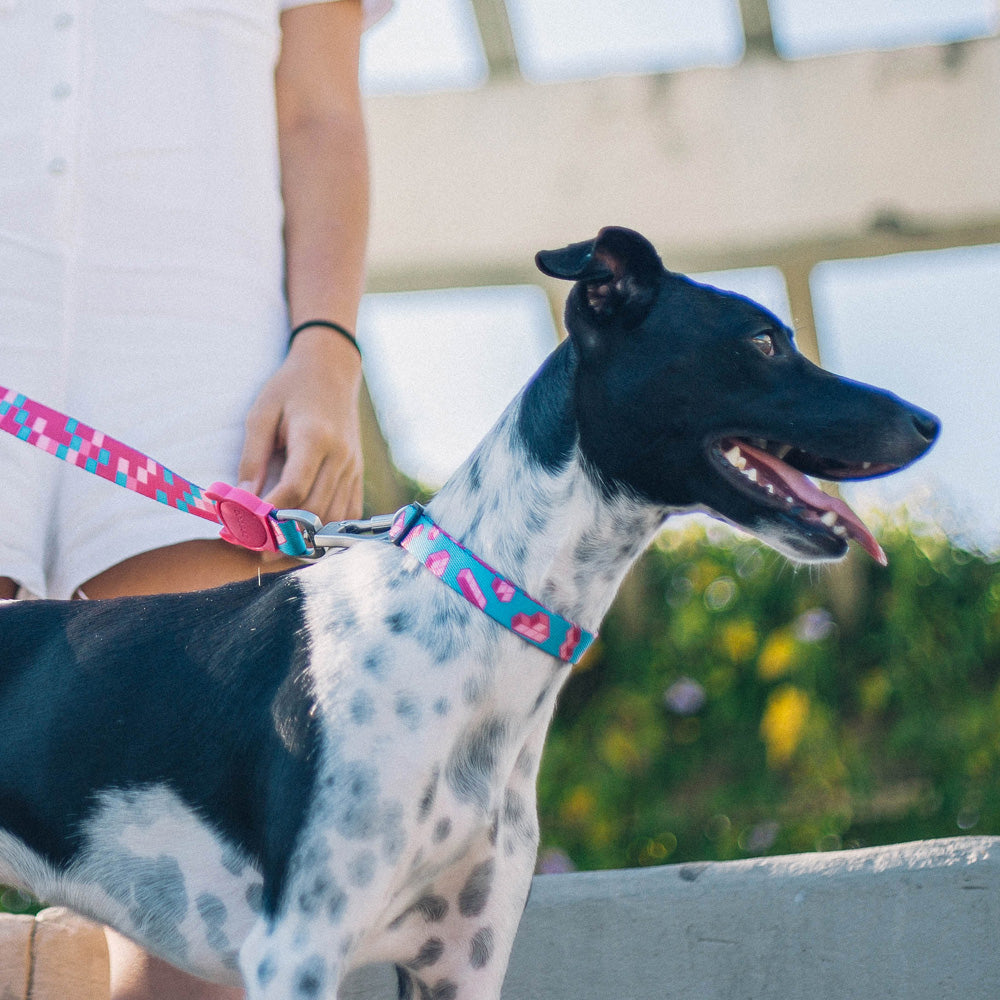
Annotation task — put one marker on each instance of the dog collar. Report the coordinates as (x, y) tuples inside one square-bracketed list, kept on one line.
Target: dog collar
[(482, 586)]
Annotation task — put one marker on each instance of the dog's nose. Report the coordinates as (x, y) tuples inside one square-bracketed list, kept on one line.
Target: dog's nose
[(928, 426)]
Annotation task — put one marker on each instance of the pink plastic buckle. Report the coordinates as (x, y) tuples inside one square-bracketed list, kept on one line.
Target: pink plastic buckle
[(246, 519)]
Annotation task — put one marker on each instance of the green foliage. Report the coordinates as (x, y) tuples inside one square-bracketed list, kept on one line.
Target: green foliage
[(735, 705)]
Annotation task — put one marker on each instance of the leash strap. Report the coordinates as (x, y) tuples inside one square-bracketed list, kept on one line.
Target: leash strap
[(255, 524), (246, 520), (482, 586)]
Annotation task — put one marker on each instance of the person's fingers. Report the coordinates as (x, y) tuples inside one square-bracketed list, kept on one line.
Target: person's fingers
[(259, 442)]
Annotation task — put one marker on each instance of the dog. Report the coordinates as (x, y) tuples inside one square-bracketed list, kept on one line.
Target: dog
[(277, 781)]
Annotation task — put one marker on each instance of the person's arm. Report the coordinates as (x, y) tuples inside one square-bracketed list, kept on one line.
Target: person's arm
[(309, 409)]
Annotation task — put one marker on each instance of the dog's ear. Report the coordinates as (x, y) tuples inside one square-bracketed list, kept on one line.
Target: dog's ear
[(620, 270)]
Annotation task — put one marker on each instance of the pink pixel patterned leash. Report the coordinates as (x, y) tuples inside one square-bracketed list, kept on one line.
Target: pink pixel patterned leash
[(251, 522), (247, 520)]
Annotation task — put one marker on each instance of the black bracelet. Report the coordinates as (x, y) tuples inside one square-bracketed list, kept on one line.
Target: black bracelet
[(327, 325)]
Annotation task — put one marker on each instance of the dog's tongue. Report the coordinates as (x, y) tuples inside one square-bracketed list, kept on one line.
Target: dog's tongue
[(812, 496)]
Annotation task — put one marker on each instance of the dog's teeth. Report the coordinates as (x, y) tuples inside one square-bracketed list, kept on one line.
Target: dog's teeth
[(751, 474), (733, 456), (769, 488), (789, 500), (783, 450), (760, 443), (829, 519), (840, 530), (866, 465)]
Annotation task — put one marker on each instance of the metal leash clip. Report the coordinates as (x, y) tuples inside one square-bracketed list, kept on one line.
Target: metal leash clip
[(337, 535)]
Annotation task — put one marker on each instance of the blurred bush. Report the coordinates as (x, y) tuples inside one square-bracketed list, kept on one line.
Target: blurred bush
[(736, 705)]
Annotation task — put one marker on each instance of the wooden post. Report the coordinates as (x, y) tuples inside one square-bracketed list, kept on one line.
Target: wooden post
[(16, 932)]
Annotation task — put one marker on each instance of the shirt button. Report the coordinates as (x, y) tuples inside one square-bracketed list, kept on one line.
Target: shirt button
[(63, 20), (58, 165), (61, 91)]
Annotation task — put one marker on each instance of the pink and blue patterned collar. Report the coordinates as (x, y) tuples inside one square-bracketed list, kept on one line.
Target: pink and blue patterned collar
[(483, 587)]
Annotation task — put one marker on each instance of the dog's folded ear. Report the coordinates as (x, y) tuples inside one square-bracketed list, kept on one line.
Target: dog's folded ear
[(620, 269)]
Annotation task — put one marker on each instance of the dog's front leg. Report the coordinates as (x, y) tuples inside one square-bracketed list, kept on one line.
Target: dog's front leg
[(284, 959), (459, 947)]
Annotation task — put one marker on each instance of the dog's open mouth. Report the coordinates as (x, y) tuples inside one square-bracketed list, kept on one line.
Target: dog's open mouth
[(775, 474)]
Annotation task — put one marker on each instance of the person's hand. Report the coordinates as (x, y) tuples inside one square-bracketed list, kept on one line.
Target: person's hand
[(307, 416)]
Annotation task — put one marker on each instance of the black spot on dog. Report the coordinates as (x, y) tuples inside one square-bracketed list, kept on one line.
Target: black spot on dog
[(473, 689), (375, 663), (540, 700), (211, 909), (430, 952), (355, 803), (408, 710), (314, 892), (399, 622), (336, 903), (362, 707), (442, 707), (476, 891), (481, 948), (442, 990), (475, 475), (442, 828), (393, 832), (213, 912), (267, 970), (310, 978), (432, 908), (430, 793), (473, 763), (255, 897), (361, 869)]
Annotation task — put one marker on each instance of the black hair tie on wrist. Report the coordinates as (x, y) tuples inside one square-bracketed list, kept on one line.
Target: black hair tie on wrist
[(327, 325)]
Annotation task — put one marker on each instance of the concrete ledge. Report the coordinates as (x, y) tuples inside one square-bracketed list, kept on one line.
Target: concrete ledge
[(916, 921)]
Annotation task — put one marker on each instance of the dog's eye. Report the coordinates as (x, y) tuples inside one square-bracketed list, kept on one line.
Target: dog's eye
[(765, 344)]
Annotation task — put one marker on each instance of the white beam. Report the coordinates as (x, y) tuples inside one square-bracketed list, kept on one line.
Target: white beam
[(712, 164)]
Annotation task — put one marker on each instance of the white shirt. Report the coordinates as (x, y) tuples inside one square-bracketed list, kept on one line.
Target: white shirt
[(141, 256), (169, 193)]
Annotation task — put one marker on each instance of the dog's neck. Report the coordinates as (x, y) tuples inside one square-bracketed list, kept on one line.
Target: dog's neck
[(547, 526)]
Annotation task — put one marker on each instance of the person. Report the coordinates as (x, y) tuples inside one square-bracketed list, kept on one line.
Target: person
[(182, 182)]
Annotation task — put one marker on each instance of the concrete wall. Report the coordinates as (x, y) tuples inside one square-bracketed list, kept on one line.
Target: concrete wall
[(916, 921), (717, 166)]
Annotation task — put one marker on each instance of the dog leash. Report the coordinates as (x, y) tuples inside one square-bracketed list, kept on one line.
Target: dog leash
[(246, 519), (254, 524)]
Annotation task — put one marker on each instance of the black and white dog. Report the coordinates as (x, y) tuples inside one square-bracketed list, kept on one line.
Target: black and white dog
[(275, 782)]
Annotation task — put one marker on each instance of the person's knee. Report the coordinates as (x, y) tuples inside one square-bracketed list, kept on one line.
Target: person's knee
[(187, 566)]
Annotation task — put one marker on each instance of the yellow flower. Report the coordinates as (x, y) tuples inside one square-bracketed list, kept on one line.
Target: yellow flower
[(783, 723), (578, 806), (619, 750), (778, 655), (739, 639)]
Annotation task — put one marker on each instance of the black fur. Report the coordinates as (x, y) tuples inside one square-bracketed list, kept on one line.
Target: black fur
[(221, 712)]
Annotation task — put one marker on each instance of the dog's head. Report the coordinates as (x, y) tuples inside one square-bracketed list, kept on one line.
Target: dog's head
[(697, 399)]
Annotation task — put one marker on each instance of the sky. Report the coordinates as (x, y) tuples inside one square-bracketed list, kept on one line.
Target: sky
[(925, 325)]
